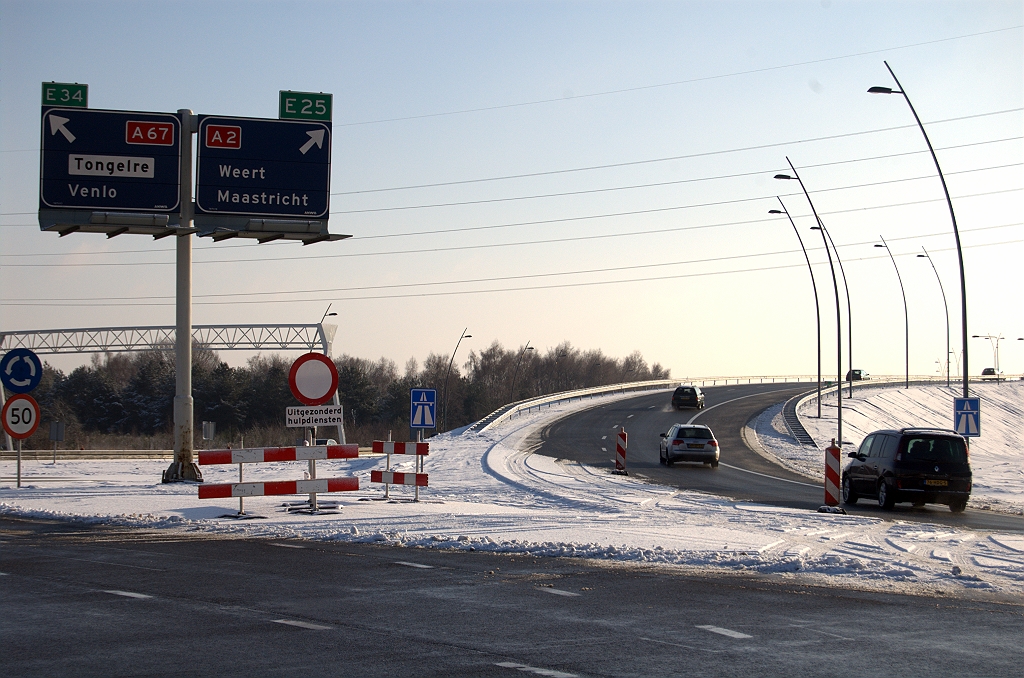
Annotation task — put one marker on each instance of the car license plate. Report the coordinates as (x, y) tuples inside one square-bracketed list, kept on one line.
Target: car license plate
[(695, 446), (936, 483)]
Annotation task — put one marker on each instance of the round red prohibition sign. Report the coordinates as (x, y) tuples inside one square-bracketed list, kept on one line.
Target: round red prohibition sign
[(21, 416), (313, 379)]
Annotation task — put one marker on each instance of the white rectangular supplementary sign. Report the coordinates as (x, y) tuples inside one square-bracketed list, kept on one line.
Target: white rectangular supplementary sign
[(322, 415), (110, 166)]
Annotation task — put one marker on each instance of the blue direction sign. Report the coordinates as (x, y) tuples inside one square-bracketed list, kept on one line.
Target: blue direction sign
[(967, 417), (424, 408), (20, 370), (263, 168), (109, 160)]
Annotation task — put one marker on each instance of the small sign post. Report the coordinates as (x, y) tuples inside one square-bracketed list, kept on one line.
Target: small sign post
[(305, 106), (422, 414), (65, 94)]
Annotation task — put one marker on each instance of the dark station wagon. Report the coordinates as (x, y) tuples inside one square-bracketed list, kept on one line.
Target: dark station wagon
[(917, 465), (688, 396)]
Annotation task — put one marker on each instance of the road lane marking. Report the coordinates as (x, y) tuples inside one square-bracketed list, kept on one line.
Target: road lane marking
[(708, 409), (824, 633), (765, 475), (615, 427), (301, 624), (557, 592), (287, 546), (105, 562), (604, 449), (128, 594), (629, 416), (604, 437), (687, 647), (535, 670), (419, 565), (724, 632)]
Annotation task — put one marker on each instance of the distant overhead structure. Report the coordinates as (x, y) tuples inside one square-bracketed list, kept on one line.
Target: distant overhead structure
[(211, 337), (128, 172)]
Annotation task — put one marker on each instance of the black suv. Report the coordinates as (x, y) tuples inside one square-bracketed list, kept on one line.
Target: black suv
[(688, 396), (918, 465)]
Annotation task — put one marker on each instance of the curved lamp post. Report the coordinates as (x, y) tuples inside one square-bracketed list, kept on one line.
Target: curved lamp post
[(945, 306), (444, 411), (512, 391), (952, 216), (906, 317), (814, 285), (835, 287)]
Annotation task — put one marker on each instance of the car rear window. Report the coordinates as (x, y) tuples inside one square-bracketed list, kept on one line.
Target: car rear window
[(694, 432), (923, 448), (685, 391)]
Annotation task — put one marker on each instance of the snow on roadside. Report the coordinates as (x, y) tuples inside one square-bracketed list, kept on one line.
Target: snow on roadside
[(997, 457), (487, 494)]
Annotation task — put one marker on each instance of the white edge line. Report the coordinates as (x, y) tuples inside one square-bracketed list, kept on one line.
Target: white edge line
[(765, 475), (301, 625), (557, 592), (287, 546), (419, 565), (127, 594), (533, 669), (724, 632)]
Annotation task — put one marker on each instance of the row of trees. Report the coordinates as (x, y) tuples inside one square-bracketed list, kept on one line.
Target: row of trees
[(126, 400)]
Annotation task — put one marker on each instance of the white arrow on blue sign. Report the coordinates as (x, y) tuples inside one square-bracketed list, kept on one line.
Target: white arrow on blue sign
[(20, 370), (967, 417), (423, 408)]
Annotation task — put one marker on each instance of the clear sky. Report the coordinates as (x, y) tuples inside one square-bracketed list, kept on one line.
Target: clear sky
[(649, 134)]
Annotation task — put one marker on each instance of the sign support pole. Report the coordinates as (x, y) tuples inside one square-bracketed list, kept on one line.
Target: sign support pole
[(184, 467), (3, 401), (19, 462)]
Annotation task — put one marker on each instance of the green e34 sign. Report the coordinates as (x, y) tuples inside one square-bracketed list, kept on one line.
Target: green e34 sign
[(305, 106), (65, 94)]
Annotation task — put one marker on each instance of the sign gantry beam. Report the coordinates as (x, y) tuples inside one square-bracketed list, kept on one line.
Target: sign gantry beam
[(312, 337)]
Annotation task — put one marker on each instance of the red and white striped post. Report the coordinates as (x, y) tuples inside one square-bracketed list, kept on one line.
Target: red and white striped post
[(832, 474), (419, 448), (620, 452)]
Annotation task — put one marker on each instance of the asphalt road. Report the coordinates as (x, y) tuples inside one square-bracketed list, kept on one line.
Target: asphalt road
[(742, 473), (89, 600)]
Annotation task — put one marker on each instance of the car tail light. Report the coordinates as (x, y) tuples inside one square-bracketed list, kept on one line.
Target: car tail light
[(678, 442), (899, 484), (713, 443)]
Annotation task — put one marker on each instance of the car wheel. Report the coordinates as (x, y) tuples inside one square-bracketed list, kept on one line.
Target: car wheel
[(661, 457), (714, 464), (886, 499), (849, 496), (668, 462), (958, 505)]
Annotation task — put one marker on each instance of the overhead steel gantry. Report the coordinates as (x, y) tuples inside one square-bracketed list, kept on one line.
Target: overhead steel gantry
[(314, 337)]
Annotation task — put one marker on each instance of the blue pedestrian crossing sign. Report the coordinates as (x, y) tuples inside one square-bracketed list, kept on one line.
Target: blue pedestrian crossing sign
[(967, 417), (424, 408)]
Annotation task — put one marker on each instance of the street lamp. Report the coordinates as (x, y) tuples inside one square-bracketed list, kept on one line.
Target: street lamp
[(511, 393), (952, 216), (444, 411), (327, 314), (945, 307), (835, 287), (994, 340), (906, 317), (817, 309)]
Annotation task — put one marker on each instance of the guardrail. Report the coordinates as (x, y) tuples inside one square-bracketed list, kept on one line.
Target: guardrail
[(508, 411)]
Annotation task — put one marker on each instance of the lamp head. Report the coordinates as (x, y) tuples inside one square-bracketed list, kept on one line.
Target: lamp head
[(774, 211), (887, 248), (880, 90), (467, 336), (782, 176), (922, 256), (815, 228)]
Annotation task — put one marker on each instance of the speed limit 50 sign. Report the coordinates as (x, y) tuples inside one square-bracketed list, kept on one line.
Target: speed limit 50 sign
[(21, 416)]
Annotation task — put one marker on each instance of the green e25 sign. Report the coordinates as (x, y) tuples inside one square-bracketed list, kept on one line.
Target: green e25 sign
[(65, 94), (305, 106)]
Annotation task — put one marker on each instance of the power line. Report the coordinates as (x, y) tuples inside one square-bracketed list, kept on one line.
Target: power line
[(674, 83), (489, 291), (688, 156), (529, 242), (610, 269)]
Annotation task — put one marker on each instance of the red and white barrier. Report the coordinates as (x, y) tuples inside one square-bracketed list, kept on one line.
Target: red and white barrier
[(319, 485), (263, 454), (832, 474), (393, 478), (312, 486), (620, 452), (388, 447)]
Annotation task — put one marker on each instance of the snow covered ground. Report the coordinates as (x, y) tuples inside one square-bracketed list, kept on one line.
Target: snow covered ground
[(487, 494), (997, 457)]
